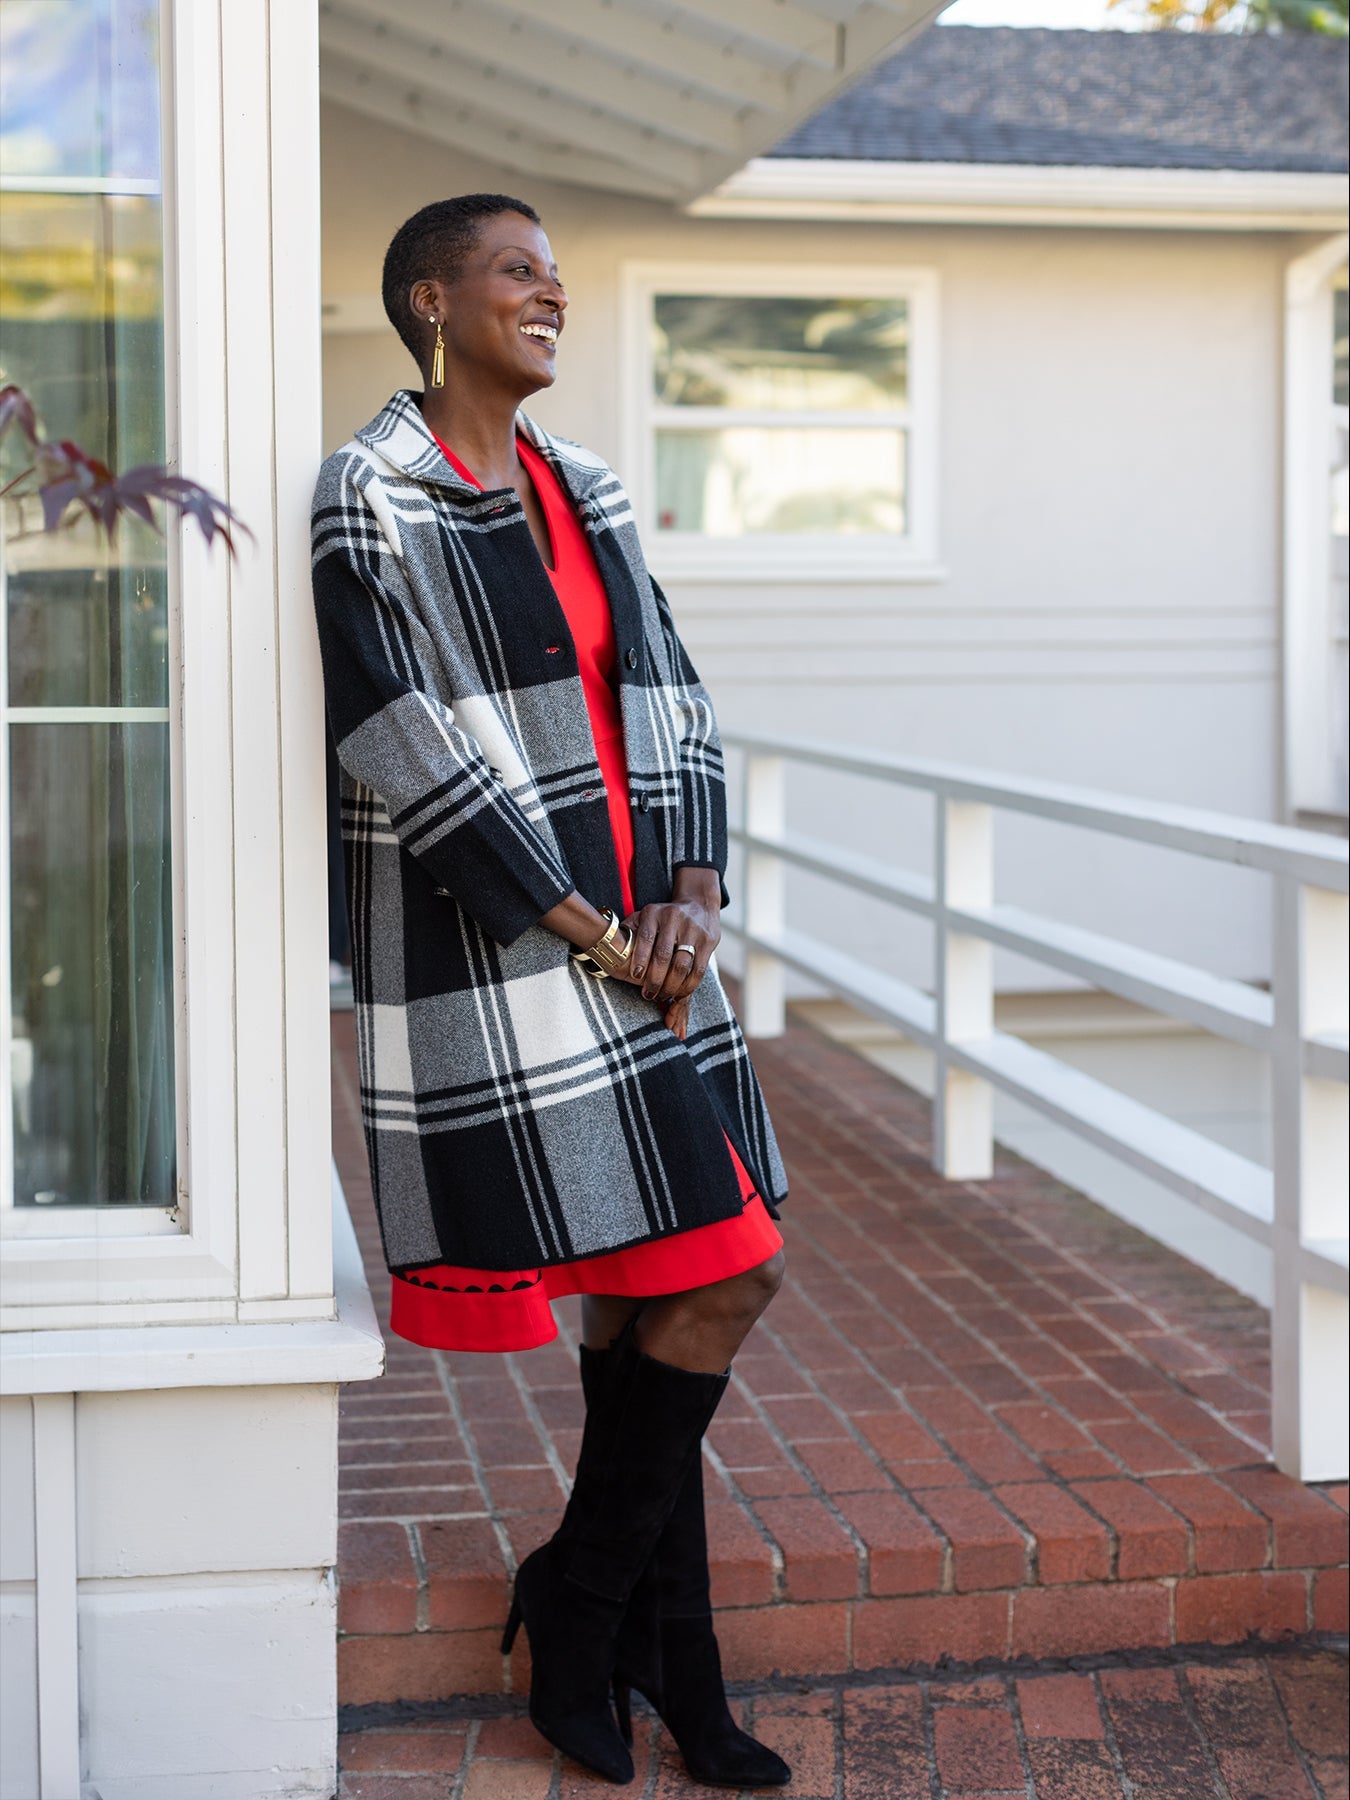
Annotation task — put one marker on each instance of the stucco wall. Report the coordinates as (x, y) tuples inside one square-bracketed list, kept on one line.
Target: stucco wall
[(1109, 503)]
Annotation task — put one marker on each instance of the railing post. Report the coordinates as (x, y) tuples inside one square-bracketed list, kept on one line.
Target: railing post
[(963, 1104), (1309, 1389), (765, 815)]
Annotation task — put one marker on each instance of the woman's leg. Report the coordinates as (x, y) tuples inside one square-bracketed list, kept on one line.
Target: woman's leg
[(667, 1647), (700, 1329)]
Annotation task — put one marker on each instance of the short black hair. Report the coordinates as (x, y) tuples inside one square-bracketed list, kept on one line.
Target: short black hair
[(432, 246)]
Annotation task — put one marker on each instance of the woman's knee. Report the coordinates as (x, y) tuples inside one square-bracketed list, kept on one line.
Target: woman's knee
[(603, 1317), (757, 1287)]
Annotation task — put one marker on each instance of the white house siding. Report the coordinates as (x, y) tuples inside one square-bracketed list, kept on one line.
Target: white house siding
[(205, 1597), (1108, 611)]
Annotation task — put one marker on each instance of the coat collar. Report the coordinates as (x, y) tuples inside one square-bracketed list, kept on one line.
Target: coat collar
[(400, 436)]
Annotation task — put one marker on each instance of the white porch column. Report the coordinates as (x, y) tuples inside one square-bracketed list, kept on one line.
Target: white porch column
[(765, 896), (169, 1374), (1310, 1324), (963, 1104)]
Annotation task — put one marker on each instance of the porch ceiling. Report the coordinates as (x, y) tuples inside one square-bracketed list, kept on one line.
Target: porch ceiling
[(658, 97)]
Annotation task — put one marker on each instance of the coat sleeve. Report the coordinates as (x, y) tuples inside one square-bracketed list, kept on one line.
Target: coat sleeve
[(703, 792), (395, 736)]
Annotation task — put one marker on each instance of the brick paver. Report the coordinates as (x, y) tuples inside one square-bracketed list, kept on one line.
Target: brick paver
[(1246, 1726), (981, 1420)]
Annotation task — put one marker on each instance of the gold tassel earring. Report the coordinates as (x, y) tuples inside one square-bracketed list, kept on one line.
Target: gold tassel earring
[(438, 358)]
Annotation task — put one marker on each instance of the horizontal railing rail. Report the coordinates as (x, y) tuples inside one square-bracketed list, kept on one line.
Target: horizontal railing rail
[(1298, 1207), (1253, 843)]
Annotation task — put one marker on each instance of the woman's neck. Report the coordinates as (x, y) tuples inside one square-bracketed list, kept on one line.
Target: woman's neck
[(480, 430)]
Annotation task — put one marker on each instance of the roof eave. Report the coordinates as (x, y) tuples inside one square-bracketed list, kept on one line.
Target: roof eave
[(849, 191)]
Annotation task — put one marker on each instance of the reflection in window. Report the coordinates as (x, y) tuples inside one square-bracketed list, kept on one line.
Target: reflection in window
[(720, 350), (780, 415), (84, 663), (744, 479), (79, 88)]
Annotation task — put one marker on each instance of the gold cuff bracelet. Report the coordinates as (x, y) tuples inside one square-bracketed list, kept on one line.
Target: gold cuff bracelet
[(610, 954)]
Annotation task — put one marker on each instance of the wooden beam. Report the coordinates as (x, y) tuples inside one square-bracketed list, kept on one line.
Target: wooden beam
[(788, 32), (583, 73), (647, 43), (460, 128), (518, 106)]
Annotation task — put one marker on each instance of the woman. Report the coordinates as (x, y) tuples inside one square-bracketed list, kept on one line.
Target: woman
[(557, 1097)]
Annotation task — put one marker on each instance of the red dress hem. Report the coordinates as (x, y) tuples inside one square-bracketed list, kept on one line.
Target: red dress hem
[(522, 1318)]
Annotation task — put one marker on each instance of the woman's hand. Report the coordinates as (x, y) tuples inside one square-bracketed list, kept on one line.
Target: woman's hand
[(672, 943)]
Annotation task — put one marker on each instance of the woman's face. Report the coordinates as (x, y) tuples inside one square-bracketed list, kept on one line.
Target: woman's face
[(501, 319)]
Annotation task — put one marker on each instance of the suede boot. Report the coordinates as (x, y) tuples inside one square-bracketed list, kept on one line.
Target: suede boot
[(573, 1592), (667, 1648)]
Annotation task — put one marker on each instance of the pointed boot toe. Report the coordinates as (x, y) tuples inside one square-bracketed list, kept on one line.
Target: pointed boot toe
[(693, 1707)]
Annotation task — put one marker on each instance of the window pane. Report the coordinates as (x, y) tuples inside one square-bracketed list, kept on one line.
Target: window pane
[(750, 479), (92, 964), (79, 88), (81, 329), (86, 628), (789, 354)]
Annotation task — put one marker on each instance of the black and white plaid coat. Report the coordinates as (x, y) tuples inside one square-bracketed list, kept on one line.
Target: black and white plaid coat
[(517, 1111)]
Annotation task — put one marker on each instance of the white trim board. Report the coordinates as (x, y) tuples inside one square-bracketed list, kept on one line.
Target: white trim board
[(121, 1359), (864, 192)]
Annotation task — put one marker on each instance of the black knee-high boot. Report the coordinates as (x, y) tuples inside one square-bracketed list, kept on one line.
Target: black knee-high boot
[(667, 1647), (572, 1593)]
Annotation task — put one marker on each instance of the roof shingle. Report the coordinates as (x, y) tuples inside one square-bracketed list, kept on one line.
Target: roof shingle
[(1115, 99)]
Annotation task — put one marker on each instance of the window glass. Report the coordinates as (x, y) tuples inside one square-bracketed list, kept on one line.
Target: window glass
[(84, 675), (79, 88), (781, 353), (92, 972), (745, 479), (780, 415), (82, 330)]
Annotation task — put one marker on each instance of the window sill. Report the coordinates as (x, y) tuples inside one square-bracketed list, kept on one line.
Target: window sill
[(121, 1359), (52, 1225)]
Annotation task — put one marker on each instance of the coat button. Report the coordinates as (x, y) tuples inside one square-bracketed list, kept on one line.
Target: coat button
[(645, 803), (631, 659)]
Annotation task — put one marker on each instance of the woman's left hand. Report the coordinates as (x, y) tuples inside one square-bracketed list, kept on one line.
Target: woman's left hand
[(674, 942)]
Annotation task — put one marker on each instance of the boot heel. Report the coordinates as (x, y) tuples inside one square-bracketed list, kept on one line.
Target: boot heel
[(623, 1710), (512, 1626)]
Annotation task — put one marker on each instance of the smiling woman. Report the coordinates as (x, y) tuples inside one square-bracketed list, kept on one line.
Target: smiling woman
[(556, 1094)]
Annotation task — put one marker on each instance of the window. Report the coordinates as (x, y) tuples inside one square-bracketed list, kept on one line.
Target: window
[(783, 423), (86, 916)]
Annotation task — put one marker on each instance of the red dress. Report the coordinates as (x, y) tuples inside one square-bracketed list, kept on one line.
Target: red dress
[(449, 1308)]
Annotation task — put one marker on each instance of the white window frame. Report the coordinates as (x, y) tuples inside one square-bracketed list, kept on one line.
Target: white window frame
[(250, 1236), (832, 557)]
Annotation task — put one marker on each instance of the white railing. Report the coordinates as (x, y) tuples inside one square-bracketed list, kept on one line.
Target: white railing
[(1298, 1208)]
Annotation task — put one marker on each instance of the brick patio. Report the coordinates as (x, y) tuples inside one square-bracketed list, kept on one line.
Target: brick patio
[(981, 1421), (1244, 1727)]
